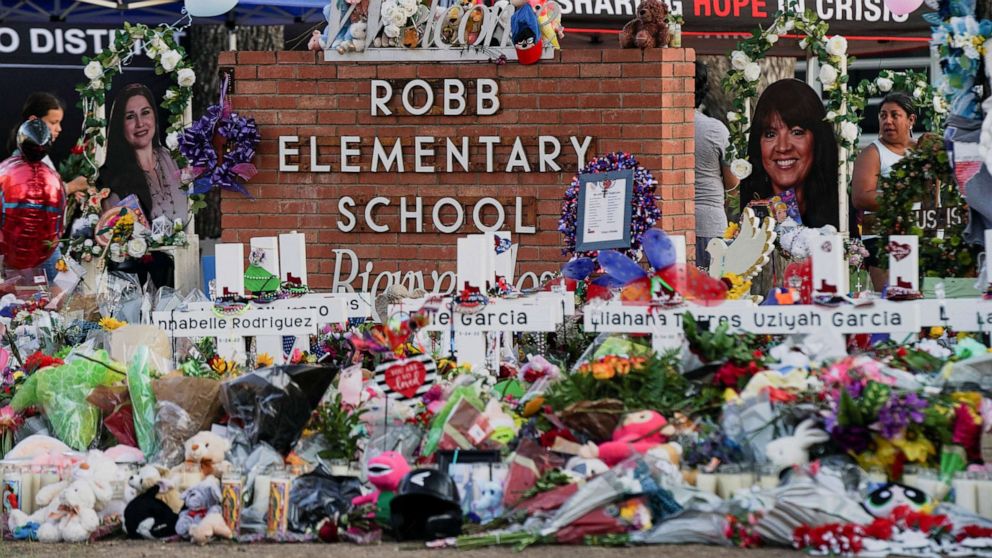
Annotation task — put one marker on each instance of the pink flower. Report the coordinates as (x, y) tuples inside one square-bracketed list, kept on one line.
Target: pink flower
[(9, 419)]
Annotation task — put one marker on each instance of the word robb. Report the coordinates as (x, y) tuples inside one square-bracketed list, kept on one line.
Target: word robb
[(458, 153)]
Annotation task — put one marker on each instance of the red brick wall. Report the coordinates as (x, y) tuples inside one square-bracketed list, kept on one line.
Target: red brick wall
[(627, 100)]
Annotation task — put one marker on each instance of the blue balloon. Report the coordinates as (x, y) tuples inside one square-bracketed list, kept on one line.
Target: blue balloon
[(607, 281), (658, 248), (620, 267), (578, 269)]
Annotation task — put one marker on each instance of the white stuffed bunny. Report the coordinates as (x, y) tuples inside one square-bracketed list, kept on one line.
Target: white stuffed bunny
[(793, 450)]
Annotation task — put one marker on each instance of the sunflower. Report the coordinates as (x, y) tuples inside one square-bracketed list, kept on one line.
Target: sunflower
[(263, 360), (110, 324)]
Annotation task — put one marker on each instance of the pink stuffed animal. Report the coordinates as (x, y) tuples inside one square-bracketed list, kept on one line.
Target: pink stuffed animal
[(385, 471), (639, 432)]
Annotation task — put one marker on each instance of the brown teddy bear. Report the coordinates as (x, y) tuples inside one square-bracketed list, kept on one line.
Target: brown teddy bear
[(649, 29)]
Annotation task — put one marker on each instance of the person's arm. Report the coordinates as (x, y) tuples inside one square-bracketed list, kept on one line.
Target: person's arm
[(865, 179), (729, 180), (77, 185)]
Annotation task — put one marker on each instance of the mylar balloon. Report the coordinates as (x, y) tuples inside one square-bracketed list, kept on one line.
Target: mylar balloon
[(658, 248), (578, 269), (34, 140), (31, 220), (903, 7), (209, 8), (620, 267)]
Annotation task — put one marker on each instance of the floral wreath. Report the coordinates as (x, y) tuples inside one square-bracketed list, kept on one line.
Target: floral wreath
[(170, 58), (645, 212), (742, 79), (241, 138), (931, 107), (908, 183)]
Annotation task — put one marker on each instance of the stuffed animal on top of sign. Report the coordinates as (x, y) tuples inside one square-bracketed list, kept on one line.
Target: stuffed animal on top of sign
[(525, 32), (649, 29), (384, 471), (639, 432), (205, 453), (549, 17)]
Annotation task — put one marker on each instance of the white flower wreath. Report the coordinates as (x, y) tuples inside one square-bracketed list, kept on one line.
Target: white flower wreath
[(741, 81)]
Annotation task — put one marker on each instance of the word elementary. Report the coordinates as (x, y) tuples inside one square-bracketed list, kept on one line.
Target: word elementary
[(431, 154)]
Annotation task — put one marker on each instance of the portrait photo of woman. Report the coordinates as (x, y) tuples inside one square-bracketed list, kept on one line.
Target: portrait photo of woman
[(793, 152), (138, 164)]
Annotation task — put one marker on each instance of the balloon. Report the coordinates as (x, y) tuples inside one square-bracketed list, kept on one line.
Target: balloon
[(694, 284), (209, 8), (658, 248), (31, 219), (578, 269), (607, 282), (620, 267), (903, 7), (34, 139), (638, 290)]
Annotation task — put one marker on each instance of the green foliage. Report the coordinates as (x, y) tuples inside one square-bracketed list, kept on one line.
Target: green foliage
[(719, 344), (340, 428)]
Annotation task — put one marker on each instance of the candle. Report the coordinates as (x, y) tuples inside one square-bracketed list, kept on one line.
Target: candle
[(727, 483), (12, 490), (278, 516), (966, 493), (706, 482), (231, 501), (260, 501), (27, 491), (984, 489)]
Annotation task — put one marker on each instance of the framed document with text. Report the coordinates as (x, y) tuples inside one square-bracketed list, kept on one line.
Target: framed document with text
[(604, 210)]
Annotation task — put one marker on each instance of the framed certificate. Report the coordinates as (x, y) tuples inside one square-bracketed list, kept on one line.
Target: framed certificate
[(603, 214)]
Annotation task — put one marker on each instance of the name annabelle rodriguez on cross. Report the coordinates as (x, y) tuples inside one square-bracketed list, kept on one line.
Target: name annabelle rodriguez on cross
[(417, 98)]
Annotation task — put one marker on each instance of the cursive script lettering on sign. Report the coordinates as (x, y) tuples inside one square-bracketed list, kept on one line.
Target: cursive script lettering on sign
[(406, 378)]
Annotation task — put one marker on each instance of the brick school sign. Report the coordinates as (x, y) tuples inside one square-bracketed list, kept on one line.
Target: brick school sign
[(384, 165)]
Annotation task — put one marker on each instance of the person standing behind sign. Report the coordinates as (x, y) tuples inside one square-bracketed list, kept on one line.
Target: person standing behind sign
[(896, 118), (713, 176)]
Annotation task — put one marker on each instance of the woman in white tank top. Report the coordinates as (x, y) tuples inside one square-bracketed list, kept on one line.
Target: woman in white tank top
[(896, 118)]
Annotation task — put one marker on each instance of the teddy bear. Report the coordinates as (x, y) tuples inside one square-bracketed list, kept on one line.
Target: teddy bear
[(205, 453), (201, 518), (649, 29), (96, 470), (74, 518), (639, 432), (148, 515), (150, 476)]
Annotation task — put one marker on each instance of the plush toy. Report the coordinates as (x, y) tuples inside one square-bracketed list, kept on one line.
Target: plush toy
[(149, 476), (355, 42), (549, 17), (73, 518), (384, 471), (792, 450), (147, 517), (201, 518), (205, 453), (490, 502), (887, 497), (638, 433), (37, 446), (583, 468), (649, 29)]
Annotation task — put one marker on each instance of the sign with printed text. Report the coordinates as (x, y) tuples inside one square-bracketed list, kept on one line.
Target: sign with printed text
[(528, 314), (959, 314), (253, 322), (882, 317)]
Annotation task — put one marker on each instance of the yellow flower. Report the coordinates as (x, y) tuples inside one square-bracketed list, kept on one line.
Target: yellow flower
[(263, 360), (18, 375), (61, 266), (739, 288), (731, 231), (936, 332), (917, 450), (882, 458), (110, 324)]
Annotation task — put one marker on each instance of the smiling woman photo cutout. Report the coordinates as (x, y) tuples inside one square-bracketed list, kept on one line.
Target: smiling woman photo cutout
[(797, 151)]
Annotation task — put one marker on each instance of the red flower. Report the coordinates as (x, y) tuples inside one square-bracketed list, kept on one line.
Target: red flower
[(78, 149), (901, 352), (39, 360)]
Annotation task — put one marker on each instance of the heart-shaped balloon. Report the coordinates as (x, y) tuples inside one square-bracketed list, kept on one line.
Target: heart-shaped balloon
[(209, 8), (33, 202), (658, 248), (620, 267), (903, 7)]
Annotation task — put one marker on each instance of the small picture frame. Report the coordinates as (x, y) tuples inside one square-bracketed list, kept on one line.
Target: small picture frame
[(604, 210)]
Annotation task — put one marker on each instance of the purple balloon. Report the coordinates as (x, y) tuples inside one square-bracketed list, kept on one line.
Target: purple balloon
[(578, 269), (658, 248), (620, 267)]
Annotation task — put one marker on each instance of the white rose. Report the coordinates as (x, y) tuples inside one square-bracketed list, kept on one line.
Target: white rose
[(918, 93), (733, 116), (398, 17), (157, 238), (169, 59), (172, 141), (939, 105), (96, 84), (789, 25), (828, 75), (831, 116), (88, 243), (752, 71), (186, 77), (849, 131), (837, 46), (137, 247), (884, 84), (740, 168), (93, 70), (772, 38), (157, 42), (97, 250), (408, 5), (180, 238), (739, 60), (391, 31), (170, 94)]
